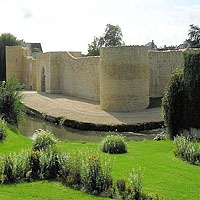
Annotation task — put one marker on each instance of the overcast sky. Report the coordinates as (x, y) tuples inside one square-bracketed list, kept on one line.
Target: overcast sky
[(62, 25)]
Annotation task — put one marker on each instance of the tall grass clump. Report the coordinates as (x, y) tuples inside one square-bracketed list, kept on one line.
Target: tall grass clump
[(74, 177), (54, 164), (114, 144), (13, 167), (187, 150), (96, 174), (132, 190), (43, 139), (3, 133)]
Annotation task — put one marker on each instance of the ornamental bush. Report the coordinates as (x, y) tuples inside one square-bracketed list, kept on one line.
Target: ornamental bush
[(114, 144), (43, 139), (11, 108), (173, 104)]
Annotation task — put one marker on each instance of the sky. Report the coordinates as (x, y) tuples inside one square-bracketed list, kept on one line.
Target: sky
[(62, 25)]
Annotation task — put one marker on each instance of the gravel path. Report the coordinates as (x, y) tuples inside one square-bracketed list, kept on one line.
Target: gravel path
[(82, 110)]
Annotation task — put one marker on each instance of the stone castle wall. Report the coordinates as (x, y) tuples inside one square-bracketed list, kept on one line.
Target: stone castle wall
[(161, 65), (20, 63), (121, 78), (124, 78), (68, 75)]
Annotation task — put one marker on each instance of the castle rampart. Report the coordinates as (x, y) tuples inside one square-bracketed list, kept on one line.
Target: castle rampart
[(161, 64), (124, 78), (20, 63), (60, 72), (120, 79)]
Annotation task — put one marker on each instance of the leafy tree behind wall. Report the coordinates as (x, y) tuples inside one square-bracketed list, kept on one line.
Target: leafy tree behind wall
[(112, 37), (94, 47), (194, 36), (6, 39)]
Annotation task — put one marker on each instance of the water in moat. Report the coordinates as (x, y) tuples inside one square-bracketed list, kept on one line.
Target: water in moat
[(31, 124)]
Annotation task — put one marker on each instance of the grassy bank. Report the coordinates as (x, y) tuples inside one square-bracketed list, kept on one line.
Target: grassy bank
[(163, 173)]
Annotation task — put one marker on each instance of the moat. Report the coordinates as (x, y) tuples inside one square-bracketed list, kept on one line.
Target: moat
[(31, 124)]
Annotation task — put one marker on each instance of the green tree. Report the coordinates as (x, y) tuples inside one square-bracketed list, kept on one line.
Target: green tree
[(192, 88), (6, 39), (173, 104), (112, 37), (11, 108), (94, 47), (194, 36), (181, 101)]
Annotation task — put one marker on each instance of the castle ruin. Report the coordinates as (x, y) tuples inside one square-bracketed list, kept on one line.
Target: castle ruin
[(121, 79)]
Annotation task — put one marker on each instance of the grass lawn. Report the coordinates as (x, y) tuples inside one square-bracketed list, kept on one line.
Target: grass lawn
[(162, 172), (42, 190)]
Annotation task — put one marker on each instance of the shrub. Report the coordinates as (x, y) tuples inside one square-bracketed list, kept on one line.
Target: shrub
[(35, 167), (121, 187), (135, 180), (192, 87), (173, 104), (21, 165), (161, 136), (187, 150), (180, 104), (7, 175), (64, 160), (114, 144), (54, 164), (133, 191), (96, 175), (13, 167), (11, 108), (2, 129), (43, 139), (74, 176)]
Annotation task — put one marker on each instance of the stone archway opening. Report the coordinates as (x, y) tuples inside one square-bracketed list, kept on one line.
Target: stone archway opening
[(43, 77)]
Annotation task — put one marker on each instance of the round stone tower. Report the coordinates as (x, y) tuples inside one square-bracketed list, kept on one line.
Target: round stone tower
[(124, 78)]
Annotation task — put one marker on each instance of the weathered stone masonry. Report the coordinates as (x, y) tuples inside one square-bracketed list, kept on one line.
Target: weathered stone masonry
[(120, 79)]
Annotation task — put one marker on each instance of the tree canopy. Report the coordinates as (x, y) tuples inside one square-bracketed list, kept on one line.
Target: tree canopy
[(94, 47), (112, 37), (194, 36), (6, 39)]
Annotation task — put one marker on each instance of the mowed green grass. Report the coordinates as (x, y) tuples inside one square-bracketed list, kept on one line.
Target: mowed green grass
[(163, 173), (42, 190)]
